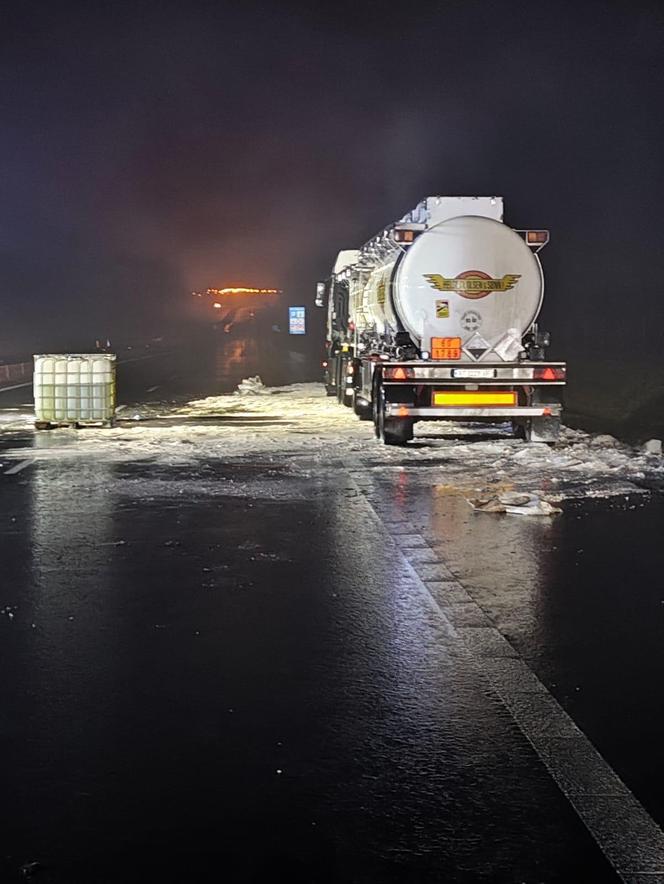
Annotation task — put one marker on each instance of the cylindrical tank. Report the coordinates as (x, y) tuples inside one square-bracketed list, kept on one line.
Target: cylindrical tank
[(468, 277)]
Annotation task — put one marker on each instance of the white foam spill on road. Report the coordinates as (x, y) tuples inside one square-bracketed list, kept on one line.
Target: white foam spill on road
[(16, 419), (310, 430)]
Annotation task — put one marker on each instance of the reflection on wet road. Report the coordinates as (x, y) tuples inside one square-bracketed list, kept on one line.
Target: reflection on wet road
[(224, 659), (239, 359), (208, 365), (211, 367), (241, 681)]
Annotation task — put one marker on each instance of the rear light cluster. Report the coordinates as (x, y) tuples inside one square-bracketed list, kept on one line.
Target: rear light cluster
[(549, 373), (446, 348), (401, 235), (537, 237), (398, 373)]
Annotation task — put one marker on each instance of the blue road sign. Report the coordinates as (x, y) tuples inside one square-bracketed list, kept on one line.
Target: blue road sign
[(297, 320)]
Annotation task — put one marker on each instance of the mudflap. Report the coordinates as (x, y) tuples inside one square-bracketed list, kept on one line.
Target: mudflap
[(547, 427), (543, 429)]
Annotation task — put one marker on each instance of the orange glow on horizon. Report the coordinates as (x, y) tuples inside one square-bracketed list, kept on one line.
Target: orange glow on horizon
[(237, 290)]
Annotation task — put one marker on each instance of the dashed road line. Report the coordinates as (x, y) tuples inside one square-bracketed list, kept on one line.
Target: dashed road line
[(622, 828), (15, 387), (140, 358), (21, 465)]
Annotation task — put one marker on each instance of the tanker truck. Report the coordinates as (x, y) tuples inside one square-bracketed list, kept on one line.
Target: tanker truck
[(435, 318)]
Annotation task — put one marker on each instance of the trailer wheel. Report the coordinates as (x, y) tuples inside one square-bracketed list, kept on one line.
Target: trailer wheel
[(377, 391), (341, 380), (344, 390), (363, 411), (519, 429), (392, 430)]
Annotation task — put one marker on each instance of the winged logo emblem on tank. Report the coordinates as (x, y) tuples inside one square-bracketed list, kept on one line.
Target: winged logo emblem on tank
[(472, 284)]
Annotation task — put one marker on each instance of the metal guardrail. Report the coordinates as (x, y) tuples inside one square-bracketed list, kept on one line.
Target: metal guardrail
[(11, 374)]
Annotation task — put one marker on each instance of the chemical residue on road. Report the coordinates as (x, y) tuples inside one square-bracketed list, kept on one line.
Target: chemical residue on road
[(299, 428), (514, 503)]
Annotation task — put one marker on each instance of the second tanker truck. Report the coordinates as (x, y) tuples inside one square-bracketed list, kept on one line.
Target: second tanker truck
[(436, 318)]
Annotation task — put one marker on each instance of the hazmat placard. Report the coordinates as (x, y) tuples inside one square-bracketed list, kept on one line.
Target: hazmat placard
[(297, 320)]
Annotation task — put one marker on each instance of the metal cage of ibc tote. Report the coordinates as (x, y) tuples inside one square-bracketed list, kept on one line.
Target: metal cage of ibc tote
[(74, 390)]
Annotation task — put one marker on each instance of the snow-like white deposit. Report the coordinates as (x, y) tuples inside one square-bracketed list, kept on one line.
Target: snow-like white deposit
[(12, 419), (301, 427)]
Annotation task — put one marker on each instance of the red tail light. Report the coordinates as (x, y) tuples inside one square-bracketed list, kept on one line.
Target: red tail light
[(403, 235), (399, 373), (549, 373)]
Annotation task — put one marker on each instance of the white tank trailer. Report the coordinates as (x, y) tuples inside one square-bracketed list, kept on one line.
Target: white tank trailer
[(436, 318)]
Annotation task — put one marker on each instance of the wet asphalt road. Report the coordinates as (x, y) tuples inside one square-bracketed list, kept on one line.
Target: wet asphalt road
[(206, 365), (206, 684)]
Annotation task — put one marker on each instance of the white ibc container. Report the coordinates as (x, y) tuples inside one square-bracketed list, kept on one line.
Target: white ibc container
[(74, 388)]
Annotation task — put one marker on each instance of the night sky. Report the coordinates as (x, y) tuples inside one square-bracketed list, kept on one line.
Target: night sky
[(151, 149)]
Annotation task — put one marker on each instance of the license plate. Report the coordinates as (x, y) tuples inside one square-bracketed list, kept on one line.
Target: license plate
[(473, 372)]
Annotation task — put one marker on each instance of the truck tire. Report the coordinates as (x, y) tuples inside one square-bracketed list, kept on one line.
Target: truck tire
[(519, 429), (341, 380), (376, 392), (346, 390), (362, 410), (392, 430)]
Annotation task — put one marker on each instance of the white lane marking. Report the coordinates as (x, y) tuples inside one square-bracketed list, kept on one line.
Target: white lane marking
[(15, 387), (139, 358), (624, 831), (19, 466), (152, 389)]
